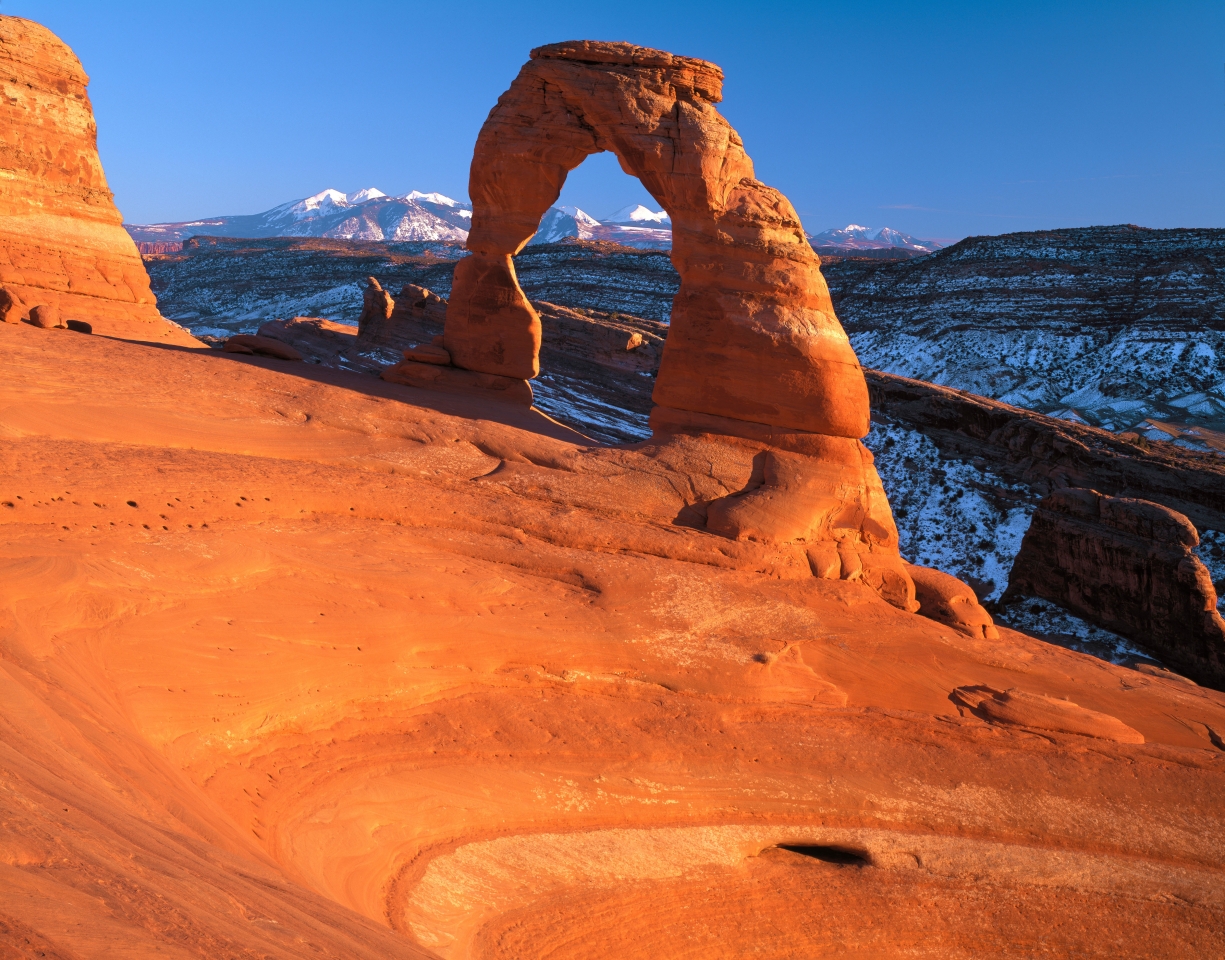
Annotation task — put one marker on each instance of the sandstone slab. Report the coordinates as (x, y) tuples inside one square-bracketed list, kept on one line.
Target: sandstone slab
[(264, 346)]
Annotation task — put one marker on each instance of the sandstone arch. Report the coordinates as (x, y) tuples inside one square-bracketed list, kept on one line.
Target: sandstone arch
[(754, 336)]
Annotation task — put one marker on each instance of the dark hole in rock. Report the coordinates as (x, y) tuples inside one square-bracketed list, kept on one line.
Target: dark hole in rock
[(836, 855)]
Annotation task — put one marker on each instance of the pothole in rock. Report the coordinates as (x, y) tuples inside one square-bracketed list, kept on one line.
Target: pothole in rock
[(838, 856)]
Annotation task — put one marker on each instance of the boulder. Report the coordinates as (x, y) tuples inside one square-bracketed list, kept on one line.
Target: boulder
[(45, 315), (945, 599), (1128, 566), (62, 241), (11, 307)]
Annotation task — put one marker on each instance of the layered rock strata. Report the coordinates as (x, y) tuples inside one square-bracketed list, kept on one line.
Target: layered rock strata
[(1127, 565), (1048, 453), (1119, 324), (62, 244)]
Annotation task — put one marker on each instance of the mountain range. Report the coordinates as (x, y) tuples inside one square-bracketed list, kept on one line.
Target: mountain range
[(855, 237), (372, 215), (368, 214)]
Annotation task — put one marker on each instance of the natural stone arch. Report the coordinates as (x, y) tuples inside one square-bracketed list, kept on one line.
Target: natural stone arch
[(753, 336)]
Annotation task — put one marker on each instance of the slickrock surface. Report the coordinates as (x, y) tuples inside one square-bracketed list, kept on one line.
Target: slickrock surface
[(753, 333), (62, 243), (1128, 566), (302, 663)]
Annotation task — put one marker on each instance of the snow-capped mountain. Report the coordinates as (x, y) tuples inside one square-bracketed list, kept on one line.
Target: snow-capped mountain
[(372, 215), (368, 214), (566, 221), (636, 215), (855, 237), (632, 226)]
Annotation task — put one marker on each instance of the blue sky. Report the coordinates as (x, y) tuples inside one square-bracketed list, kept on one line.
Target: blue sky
[(943, 120)]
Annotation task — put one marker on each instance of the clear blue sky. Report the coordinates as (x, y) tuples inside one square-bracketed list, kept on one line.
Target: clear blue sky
[(942, 120)]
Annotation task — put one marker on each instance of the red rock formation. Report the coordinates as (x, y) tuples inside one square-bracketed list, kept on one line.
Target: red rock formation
[(62, 243), (1128, 566), (414, 317), (320, 341), (264, 346), (944, 598), (1018, 708), (754, 350), (754, 336), (377, 304)]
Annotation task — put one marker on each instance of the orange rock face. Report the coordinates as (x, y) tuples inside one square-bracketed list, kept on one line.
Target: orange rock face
[(299, 663), (753, 336), (62, 243)]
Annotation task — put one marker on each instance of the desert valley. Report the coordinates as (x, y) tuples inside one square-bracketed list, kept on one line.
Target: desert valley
[(398, 576)]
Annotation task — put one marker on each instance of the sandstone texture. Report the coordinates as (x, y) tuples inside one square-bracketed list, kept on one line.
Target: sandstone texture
[(1128, 566), (1043, 713), (62, 244), (300, 663), (753, 332)]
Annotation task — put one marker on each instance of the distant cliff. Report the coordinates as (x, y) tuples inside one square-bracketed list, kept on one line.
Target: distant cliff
[(1113, 325)]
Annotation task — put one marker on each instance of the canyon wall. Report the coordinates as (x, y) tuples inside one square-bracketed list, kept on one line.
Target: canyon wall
[(1048, 453), (62, 243), (1116, 325)]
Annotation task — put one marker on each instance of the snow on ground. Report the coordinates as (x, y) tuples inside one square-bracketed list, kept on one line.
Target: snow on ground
[(951, 515), (969, 522)]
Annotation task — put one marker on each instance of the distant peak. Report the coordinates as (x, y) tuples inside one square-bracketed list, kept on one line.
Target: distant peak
[(580, 216), (431, 198), (370, 193), (637, 213), (328, 195)]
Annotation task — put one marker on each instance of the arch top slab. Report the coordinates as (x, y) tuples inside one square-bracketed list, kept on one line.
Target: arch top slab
[(753, 333)]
